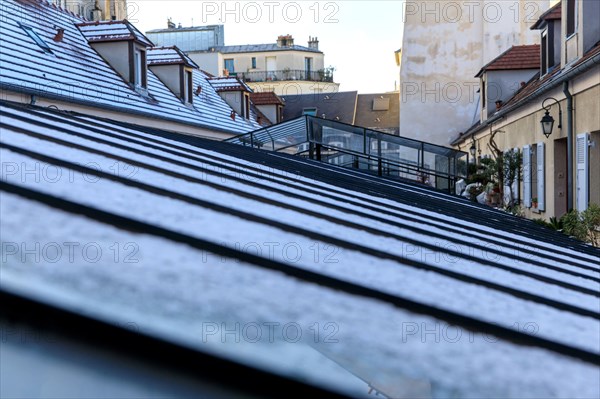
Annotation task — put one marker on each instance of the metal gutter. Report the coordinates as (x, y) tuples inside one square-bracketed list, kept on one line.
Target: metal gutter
[(93, 104)]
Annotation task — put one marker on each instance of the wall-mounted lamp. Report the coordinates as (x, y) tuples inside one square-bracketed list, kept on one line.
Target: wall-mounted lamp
[(547, 121), (473, 149)]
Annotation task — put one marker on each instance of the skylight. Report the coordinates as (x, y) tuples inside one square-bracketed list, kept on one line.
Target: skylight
[(36, 38)]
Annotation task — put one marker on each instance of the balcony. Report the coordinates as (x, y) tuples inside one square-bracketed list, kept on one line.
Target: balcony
[(323, 75)]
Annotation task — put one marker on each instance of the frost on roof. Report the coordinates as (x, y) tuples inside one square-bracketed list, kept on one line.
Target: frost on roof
[(77, 74), (352, 282)]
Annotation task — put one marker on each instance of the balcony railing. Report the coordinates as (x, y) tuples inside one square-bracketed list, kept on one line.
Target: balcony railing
[(285, 75), (361, 148)]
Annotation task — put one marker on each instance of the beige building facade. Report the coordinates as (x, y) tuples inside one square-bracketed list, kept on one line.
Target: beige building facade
[(444, 44), (561, 171), (282, 67)]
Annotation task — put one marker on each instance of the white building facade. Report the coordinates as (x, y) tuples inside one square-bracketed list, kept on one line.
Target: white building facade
[(445, 43)]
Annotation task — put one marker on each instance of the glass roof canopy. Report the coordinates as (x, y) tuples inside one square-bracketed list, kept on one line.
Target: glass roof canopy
[(361, 148)]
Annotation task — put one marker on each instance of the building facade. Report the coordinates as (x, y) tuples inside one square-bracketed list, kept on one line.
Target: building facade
[(282, 67), (96, 10), (561, 171), (443, 43)]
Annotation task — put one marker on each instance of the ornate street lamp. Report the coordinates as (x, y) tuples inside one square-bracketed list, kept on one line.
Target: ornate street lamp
[(547, 121), (473, 149)]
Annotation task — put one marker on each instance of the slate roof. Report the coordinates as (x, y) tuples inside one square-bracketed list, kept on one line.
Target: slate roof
[(553, 13), (254, 48), (340, 106), (169, 55), (516, 57), (75, 73), (375, 265), (266, 98), (388, 121), (108, 31)]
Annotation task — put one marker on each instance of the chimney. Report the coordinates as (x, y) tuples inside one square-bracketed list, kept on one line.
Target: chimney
[(313, 43), (285, 41), (60, 33), (170, 24)]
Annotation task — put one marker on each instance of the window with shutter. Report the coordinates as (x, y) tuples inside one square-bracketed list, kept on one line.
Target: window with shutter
[(527, 176), (541, 176), (582, 177)]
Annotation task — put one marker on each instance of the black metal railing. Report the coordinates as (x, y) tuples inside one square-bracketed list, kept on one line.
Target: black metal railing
[(324, 75), (361, 148)]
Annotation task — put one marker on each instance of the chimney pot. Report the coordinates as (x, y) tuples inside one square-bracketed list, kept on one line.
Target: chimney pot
[(60, 33)]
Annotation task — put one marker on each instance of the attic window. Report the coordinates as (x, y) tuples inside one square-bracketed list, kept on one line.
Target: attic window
[(139, 69), (35, 37), (189, 87), (381, 104)]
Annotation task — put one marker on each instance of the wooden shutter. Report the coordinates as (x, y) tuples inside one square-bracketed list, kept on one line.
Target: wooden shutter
[(583, 178), (541, 176), (527, 176)]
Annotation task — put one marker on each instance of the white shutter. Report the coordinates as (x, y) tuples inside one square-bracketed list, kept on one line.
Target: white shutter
[(583, 178), (541, 176), (527, 176), (515, 185), (506, 189)]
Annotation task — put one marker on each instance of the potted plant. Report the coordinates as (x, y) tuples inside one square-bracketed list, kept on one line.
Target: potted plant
[(534, 202)]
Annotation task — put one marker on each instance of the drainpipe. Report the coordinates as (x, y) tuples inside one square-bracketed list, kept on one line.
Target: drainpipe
[(569, 145)]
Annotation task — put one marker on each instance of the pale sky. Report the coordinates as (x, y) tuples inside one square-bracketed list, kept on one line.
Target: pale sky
[(358, 37)]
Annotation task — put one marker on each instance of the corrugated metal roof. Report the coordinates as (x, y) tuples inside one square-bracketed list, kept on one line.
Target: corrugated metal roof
[(402, 283)]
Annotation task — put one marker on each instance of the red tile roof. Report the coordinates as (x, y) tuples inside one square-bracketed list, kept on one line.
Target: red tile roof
[(552, 14), (516, 57), (266, 98)]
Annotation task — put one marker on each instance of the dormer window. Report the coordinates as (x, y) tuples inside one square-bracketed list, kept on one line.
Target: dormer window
[(123, 47), (140, 73), (36, 38), (571, 17), (247, 105), (175, 70), (544, 52), (189, 87)]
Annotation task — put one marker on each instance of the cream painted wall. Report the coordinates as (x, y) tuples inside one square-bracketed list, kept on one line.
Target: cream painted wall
[(445, 43), (522, 127), (140, 120), (284, 59), (170, 76)]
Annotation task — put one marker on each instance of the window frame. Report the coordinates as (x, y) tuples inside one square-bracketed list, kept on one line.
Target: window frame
[(33, 35)]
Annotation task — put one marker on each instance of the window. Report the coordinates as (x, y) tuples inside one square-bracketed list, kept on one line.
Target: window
[(139, 68), (254, 62), (35, 37), (582, 178), (189, 86), (571, 17), (229, 65), (544, 53), (246, 106), (483, 98), (308, 66)]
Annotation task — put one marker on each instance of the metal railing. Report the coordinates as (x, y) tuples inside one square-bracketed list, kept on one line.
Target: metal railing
[(284, 75), (363, 149)]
